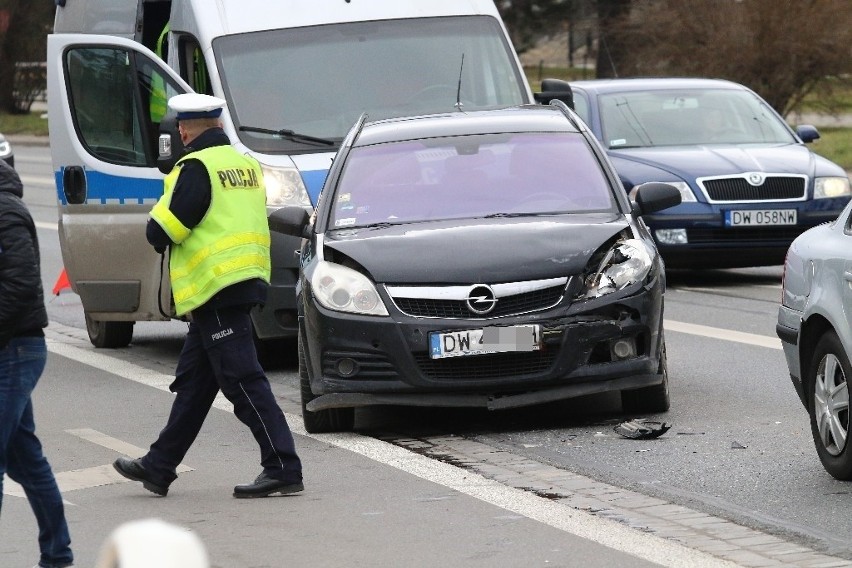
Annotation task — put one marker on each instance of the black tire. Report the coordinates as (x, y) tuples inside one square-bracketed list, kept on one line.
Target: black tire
[(109, 334), (649, 400), (329, 420), (828, 404)]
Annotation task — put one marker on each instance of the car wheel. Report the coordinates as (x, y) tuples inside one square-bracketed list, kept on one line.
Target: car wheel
[(649, 399), (829, 405), (329, 420), (109, 334)]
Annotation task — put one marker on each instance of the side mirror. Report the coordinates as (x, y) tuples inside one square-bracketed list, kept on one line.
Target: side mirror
[(655, 196), (291, 220), (807, 133), (555, 89), (169, 146)]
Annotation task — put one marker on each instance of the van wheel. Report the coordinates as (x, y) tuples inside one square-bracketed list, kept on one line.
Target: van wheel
[(330, 420), (109, 334), (651, 399), (828, 402)]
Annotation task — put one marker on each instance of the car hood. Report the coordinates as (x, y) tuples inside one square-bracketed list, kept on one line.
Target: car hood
[(639, 165), (477, 250)]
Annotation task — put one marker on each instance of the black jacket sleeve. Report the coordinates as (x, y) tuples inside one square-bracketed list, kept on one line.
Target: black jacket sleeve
[(190, 202), (20, 278)]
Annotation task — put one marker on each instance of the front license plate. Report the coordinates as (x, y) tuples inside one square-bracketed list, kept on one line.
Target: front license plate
[(487, 340), (759, 217)]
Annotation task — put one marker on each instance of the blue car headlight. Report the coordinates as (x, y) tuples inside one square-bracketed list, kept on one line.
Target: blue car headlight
[(342, 289), (627, 262), (825, 187)]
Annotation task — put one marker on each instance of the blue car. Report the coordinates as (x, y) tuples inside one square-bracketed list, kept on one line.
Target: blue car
[(748, 182)]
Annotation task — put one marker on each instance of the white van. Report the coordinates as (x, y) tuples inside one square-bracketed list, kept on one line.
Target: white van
[(296, 75)]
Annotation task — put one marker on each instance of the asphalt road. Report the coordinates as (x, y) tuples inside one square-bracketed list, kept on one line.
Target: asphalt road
[(735, 478)]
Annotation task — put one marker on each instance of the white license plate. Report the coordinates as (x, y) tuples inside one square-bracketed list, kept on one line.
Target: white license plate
[(487, 340), (759, 217)]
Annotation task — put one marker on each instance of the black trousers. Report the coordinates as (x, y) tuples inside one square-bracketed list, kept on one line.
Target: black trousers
[(219, 354)]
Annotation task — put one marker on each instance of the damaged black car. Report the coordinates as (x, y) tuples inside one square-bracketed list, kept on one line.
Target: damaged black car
[(485, 259)]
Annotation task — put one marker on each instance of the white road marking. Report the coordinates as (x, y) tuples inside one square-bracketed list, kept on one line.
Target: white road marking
[(725, 334), (89, 477), (38, 180), (607, 532), (43, 225)]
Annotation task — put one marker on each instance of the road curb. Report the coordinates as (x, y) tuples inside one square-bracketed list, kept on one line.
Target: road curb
[(28, 140)]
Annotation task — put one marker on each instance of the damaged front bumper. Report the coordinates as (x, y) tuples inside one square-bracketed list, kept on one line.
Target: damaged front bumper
[(355, 361)]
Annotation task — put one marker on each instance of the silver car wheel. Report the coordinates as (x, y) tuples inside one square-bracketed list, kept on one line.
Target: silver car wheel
[(831, 404)]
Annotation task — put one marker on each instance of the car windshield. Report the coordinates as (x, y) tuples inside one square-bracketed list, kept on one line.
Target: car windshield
[(318, 80), (689, 117), (470, 176)]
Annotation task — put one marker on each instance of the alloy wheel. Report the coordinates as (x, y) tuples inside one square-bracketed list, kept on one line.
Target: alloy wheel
[(831, 404)]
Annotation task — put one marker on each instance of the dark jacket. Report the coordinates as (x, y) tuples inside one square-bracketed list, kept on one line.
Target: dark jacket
[(190, 202), (22, 311)]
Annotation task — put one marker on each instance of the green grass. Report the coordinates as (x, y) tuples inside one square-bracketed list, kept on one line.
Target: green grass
[(31, 123), (836, 145)]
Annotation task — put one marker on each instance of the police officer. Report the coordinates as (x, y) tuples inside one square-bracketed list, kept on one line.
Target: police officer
[(212, 217)]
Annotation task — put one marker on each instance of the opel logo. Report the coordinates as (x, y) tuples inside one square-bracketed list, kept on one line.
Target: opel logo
[(481, 300), (755, 178)]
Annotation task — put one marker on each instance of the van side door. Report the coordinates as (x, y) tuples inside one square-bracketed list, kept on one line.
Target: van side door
[(106, 96)]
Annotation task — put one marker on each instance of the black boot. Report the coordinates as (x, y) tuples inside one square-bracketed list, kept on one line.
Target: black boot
[(132, 469), (264, 486)]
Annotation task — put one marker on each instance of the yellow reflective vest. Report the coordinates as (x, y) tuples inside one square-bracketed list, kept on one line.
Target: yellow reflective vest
[(231, 243)]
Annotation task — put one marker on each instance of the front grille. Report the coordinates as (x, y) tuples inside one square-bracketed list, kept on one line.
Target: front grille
[(371, 366), (773, 188), (759, 234), (506, 306), (491, 366)]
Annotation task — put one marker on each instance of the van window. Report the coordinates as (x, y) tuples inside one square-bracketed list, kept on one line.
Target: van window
[(317, 80), (115, 114)]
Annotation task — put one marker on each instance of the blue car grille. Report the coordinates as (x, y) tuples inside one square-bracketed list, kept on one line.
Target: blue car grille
[(491, 366), (739, 189), (457, 309)]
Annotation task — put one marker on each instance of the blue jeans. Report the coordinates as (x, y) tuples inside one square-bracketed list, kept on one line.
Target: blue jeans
[(21, 364)]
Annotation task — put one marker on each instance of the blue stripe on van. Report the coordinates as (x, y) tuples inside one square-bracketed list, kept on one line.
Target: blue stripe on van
[(314, 181), (103, 188), (107, 188)]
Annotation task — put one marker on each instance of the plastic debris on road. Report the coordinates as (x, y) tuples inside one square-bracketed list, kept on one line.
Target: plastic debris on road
[(639, 429)]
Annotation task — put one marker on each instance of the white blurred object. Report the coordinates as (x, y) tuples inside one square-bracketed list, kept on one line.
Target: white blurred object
[(152, 543)]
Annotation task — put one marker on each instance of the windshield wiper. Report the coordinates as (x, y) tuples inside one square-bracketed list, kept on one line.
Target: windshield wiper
[(289, 134), (510, 215)]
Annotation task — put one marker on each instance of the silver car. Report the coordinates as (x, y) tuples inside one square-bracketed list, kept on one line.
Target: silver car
[(6, 153), (815, 326)]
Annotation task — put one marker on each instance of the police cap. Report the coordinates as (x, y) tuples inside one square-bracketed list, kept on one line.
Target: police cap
[(195, 105)]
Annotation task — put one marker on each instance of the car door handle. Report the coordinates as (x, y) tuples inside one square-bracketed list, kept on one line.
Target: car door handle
[(847, 275)]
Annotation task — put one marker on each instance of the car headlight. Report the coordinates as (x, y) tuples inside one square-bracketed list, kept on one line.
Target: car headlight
[(628, 261), (5, 147), (345, 290), (683, 187), (284, 186), (831, 187)]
